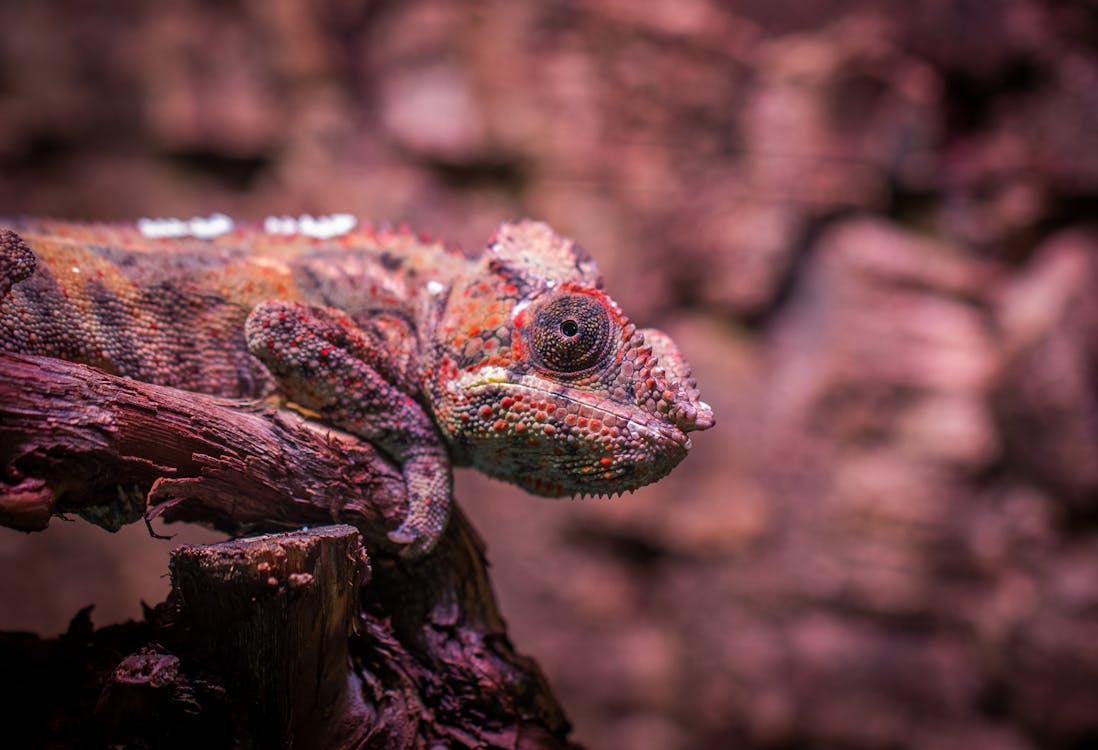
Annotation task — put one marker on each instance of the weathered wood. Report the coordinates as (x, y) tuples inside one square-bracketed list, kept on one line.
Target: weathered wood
[(255, 623)]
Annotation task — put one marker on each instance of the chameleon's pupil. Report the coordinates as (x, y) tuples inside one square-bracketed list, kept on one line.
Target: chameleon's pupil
[(569, 328)]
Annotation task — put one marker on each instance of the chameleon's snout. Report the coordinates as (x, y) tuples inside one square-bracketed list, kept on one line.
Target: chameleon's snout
[(697, 415), (666, 387)]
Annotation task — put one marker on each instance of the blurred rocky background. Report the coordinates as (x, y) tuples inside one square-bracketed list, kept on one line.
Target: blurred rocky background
[(869, 225)]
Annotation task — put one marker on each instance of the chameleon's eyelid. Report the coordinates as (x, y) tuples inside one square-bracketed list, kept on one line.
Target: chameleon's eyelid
[(571, 355)]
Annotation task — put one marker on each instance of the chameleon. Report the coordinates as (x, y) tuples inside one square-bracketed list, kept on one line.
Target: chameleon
[(513, 360)]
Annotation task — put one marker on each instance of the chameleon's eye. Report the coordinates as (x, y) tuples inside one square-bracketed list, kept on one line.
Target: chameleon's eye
[(570, 334)]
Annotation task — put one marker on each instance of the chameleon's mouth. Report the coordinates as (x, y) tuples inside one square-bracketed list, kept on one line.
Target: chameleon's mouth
[(489, 385), (647, 425)]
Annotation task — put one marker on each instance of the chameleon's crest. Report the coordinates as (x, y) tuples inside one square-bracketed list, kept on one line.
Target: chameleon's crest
[(529, 254)]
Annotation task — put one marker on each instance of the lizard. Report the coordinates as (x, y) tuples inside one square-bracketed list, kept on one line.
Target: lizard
[(513, 360)]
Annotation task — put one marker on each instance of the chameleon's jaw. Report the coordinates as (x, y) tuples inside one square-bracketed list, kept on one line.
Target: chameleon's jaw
[(576, 475), (561, 441)]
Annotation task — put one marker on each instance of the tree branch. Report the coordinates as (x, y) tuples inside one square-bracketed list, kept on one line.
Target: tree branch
[(74, 439)]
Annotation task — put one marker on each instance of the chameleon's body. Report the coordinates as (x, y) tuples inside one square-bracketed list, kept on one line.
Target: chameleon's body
[(515, 362)]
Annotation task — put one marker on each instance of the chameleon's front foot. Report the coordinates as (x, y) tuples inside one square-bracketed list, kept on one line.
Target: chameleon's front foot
[(427, 478), (325, 362)]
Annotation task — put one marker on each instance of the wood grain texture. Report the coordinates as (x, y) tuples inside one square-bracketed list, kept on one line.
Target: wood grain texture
[(430, 659)]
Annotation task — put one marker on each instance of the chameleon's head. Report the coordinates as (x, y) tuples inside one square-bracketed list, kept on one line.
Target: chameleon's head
[(548, 385)]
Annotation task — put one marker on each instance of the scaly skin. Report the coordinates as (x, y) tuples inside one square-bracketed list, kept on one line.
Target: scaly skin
[(515, 362)]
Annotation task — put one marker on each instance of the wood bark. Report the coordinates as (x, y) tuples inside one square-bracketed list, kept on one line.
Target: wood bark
[(273, 642)]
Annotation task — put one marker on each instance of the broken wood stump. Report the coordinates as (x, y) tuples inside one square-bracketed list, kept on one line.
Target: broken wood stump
[(268, 620)]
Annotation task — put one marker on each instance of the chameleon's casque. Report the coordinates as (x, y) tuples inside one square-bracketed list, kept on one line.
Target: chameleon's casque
[(515, 361)]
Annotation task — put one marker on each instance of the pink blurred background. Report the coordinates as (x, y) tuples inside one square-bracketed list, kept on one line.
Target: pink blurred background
[(868, 225)]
